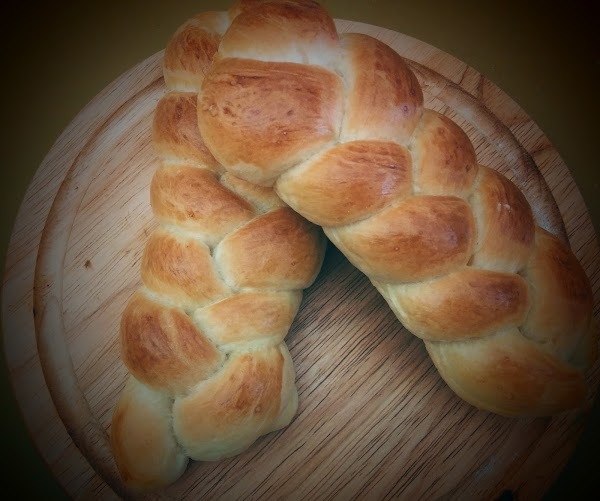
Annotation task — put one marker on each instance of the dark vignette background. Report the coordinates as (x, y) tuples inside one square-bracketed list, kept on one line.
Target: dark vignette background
[(57, 56)]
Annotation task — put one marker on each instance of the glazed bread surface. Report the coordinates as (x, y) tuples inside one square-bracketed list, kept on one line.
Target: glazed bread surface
[(269, 109), (336, 123), (203, 338)]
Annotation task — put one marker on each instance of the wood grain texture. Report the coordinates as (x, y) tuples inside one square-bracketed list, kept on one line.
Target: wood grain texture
[(375, 419)]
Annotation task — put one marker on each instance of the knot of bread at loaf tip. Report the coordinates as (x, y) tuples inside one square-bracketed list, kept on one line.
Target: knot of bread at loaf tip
[(267, 108)]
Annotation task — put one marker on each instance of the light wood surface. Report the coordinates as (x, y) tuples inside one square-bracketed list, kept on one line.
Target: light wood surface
[(374, 419)]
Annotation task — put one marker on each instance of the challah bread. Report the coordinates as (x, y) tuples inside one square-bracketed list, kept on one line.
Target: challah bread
[(223, 274), (336, 123)]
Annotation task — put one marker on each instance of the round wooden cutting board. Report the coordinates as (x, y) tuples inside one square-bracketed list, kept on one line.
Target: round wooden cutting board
[(375, 420)]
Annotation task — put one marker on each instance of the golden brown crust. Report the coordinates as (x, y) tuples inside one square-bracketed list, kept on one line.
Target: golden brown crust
[(367, 175), (445, 162), (262, 197), (193, 199), (142, 441), (300, 32), (182, 270), (421, 237), (189, 53), (302, 117), (175, 133), (278, 250), (163, 348), (229, 412), (561, 314), (505, 224), (509, 375), (461, 305), (384, 98), (249, 317)]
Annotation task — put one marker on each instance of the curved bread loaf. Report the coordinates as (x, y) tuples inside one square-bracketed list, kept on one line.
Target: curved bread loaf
[(336, 123), (203, 339)]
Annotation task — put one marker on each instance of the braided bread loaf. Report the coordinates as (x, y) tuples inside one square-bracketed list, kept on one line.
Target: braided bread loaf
[(222, 282), (336, 123)]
